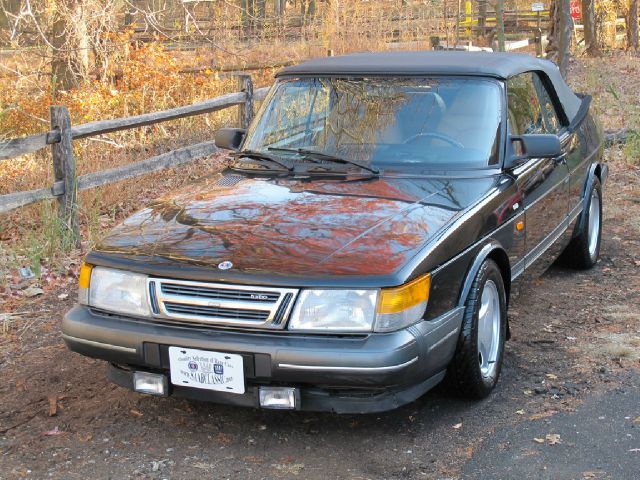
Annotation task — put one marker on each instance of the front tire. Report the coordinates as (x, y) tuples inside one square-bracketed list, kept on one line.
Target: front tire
[(476, 365), (584, 249)]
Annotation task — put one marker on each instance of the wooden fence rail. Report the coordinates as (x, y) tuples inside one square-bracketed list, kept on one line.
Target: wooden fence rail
[(62, 134)]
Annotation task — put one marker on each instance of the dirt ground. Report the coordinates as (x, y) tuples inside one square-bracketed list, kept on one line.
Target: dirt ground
[(575, 336)]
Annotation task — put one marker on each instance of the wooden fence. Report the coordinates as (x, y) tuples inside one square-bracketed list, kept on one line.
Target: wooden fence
[(67, 184)]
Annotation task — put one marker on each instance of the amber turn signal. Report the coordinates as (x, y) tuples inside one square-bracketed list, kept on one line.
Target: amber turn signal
[(397, 299), (85, 275)]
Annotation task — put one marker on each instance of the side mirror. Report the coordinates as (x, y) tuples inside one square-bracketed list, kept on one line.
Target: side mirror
[(524, 147), (229, 138)]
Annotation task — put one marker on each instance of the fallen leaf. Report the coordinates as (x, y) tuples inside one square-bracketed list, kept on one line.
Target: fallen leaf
[(527, 392), (51, 433), (636, 420), (538, 440), (32, 291), (541, 415), (589, 474), (136, 413), (457, 426), (63, 296), (292, 469), (551, 376), (520, 412), (553, 438), (53, 405)]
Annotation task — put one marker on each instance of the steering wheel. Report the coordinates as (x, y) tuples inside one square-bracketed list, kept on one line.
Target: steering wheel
[(436, 135)]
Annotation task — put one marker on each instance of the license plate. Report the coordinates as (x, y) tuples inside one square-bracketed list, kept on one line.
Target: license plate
[(218, 371)]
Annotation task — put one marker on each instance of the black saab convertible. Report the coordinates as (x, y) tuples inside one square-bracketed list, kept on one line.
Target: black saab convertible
[(361, 245)]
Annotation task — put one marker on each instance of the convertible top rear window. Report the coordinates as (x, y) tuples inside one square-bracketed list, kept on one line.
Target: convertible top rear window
[(387, 123)]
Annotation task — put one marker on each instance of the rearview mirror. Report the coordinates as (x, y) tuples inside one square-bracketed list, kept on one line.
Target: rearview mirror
[(524, 147), (229, 138)]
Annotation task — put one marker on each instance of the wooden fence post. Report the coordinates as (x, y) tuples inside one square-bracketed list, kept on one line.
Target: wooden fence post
[(245, 84), (64, 169)]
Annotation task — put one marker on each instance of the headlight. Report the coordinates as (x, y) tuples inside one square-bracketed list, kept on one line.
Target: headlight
[(118, 291), (383, 310), (335, 310)]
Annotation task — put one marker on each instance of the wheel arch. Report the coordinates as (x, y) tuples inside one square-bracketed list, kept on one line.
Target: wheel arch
[(493, 251), (598, 171)]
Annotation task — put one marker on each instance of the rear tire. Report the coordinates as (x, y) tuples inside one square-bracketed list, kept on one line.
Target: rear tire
[(584, 249), (476, 365)]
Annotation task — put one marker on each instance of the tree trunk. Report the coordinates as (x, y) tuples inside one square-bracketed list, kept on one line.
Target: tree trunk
[(632, 25), (559, 37), (500, 24), (564, 44), (278, 7), (552, 36), (261, 13), (70, 42), (307, 8), (589, 24), (458, 13), (482, 18), (244, 13)]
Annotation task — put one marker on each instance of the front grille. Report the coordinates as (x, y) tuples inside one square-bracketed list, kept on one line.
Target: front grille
[(236, 313), (218, 293), (221, 304)]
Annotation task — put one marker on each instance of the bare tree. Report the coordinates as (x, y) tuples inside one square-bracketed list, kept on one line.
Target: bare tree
[(64, 36), (589, 24)]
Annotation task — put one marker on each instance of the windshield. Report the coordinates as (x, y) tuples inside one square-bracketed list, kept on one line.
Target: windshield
[(386, 123)]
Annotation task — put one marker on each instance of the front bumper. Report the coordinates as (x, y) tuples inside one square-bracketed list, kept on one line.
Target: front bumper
[(346, 374)]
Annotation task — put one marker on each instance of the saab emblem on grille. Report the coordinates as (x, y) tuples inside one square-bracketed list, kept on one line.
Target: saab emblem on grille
[(226, 265)]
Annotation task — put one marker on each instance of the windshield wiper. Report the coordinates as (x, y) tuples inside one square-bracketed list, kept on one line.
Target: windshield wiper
[(307, 153), (256, 155)]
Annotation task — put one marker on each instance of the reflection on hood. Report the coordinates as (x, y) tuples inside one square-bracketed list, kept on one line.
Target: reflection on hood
[(291, 227)]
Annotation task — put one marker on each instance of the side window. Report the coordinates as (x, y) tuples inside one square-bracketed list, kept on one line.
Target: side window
[(549, 114), (530, 106)]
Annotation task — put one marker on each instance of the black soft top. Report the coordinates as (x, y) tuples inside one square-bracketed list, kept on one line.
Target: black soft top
[(483, 64)]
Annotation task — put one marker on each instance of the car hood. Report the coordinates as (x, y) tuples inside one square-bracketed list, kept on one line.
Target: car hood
[(292, 227)]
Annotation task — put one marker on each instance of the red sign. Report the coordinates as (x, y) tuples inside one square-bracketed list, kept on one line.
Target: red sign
[(576, 10)]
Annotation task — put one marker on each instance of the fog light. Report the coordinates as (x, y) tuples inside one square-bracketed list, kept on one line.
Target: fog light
[(278, 397), (151, 383)]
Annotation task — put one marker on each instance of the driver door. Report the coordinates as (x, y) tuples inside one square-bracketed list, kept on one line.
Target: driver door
[(544, 182)]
